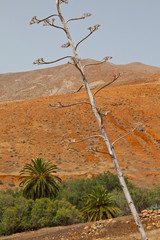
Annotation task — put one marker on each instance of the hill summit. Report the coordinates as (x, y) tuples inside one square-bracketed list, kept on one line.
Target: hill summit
[(67, 79)]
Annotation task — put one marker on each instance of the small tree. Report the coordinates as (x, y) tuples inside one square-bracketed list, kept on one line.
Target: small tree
[(99, 205), (50, 21), (38, 180)]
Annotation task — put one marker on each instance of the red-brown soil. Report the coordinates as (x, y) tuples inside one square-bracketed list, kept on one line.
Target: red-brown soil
[(30, 129)]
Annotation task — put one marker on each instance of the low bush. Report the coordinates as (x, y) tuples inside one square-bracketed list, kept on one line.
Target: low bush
[(20, 214), (23, 214), (66, 213), (141, 198), (42, 213), (17, 218), (75, 190), (6, 201), (155, 195)]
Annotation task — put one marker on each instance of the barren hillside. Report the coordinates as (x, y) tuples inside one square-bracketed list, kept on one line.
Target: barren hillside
[(66, 79), (31, 128)]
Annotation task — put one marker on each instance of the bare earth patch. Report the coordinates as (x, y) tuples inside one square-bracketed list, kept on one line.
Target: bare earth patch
[(122, 228)]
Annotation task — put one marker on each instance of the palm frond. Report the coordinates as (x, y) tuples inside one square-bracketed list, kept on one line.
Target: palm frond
[(38, 179)]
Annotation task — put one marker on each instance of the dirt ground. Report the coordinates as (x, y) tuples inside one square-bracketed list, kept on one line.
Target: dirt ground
[(123, 228), (31, 129)]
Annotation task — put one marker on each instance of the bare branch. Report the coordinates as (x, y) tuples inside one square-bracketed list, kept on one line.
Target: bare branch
[(106, 85), (36, 20), (46, 21), (60, 105), (53, 25), (91, 64), (123, 136), (94, 136), (41, 60), (92, 30), (72, 63), (63, 1), (79, 88), (102, 61), (98, 151), (83, 17), (105, 113), (66, 45)]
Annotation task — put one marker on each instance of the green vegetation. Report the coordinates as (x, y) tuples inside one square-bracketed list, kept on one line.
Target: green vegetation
[(78, 200), (99, 205), (74, 190), (38, 179)]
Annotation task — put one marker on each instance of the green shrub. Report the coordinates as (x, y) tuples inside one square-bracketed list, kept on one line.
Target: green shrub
[(10, 220), (14, 192), (108, 180), (17, 218), (99, 205), (155, 195), (6, 201), (24, 208), (19, 214), (2, 230), (75, 190), (154, 207), (66, 213), (140, 197), (120, 202), (42, 213)]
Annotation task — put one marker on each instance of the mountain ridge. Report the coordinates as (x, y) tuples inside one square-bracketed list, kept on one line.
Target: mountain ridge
[(66, 79)]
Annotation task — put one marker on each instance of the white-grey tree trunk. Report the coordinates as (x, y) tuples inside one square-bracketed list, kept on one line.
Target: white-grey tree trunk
[(103, 129)]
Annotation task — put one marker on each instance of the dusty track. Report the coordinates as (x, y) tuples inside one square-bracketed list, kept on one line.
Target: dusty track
[(122, 228)]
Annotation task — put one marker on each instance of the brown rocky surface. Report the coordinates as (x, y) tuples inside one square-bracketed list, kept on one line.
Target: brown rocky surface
[(30, 129), (66, 79), (122, 228)]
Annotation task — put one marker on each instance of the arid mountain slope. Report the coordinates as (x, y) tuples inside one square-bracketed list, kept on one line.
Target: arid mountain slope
[(30, 128), (66, 79)]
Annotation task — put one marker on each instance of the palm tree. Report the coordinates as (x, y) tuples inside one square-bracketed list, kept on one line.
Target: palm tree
[(38, 180), (99, 205)]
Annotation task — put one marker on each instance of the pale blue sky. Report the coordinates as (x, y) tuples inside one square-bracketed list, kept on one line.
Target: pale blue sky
[(130, 32)]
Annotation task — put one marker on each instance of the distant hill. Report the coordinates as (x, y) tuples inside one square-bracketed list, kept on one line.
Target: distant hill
[(66, 79), (29, 128)]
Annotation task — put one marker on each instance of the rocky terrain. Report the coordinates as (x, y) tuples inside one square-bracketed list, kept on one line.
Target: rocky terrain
[(122, 228), (66, 79), (31, 128)]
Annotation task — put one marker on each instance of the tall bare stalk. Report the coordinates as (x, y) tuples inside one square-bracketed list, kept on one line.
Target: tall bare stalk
[(49, 21)]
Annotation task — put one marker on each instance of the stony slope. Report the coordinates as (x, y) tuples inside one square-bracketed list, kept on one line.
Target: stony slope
[(30, 128), (121, 228), (66, 79)]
